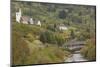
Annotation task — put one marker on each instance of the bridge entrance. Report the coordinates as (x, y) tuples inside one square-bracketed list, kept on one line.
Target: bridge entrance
[(74, 46)]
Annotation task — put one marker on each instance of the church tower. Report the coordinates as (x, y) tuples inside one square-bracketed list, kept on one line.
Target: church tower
[(18, 16)]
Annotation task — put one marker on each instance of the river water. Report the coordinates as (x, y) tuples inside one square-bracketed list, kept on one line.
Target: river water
[(76, 57)]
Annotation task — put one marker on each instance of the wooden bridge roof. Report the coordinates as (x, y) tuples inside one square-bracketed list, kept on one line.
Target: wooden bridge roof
[(74, 42), (77, 42)]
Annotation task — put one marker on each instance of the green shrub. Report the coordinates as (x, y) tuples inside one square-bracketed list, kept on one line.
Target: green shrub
[(47, 55), (20, 49), (89, 51)]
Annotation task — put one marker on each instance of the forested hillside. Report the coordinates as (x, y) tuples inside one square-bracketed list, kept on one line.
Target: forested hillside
[(32, 44)]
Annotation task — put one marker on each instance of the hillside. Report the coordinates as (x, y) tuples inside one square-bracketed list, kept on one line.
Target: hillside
[(33, 44)]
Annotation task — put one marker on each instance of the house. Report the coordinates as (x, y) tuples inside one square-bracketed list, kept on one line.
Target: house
[(39, 23), (26, 19), (62, 27), (31, 21)]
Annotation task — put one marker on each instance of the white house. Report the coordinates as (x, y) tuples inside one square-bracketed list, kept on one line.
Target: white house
[(31, 21), (62, 27), (39, 23)]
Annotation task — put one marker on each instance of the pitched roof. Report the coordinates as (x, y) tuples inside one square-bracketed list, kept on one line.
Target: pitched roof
[(74, 42), (25, 18)]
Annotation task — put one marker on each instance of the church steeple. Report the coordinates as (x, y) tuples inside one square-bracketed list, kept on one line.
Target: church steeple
[(18, 15)]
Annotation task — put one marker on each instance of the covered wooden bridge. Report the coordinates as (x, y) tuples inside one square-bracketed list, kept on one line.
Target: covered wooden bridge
[(74, 45)]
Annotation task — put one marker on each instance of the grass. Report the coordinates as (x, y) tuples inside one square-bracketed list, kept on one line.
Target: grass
[(43, 54)]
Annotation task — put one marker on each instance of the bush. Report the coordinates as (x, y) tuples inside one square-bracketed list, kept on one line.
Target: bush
[(30, 37), (89, 51), (52, 38), (49, 54), (47, 37), (20, 50)]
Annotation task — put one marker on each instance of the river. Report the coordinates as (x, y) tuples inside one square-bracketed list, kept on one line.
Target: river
[(76, 57)]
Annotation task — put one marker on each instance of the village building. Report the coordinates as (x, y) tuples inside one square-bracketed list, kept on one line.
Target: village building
[(26, 19), (62, 27), (18, 16), (31, 21), (39, 23)]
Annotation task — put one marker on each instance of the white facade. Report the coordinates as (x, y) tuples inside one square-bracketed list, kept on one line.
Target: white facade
[(18, 16), (62, 28), (39, 23), (31, 21)]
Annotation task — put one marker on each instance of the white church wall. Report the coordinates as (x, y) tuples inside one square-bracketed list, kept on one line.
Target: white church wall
[(39, 23), (18, 16)]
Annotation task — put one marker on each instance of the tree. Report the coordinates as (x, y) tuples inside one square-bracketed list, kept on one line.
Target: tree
[(62, 14), (53, 38), (60, 39), (89, 50), (43, 37)]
